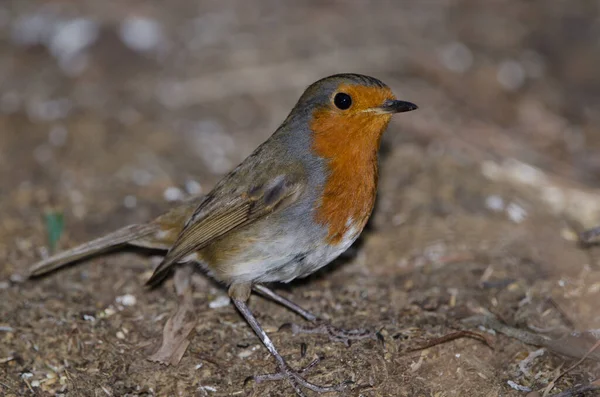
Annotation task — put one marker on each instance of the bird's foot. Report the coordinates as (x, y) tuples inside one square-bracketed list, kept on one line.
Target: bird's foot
[(297, 380), (345, 336)]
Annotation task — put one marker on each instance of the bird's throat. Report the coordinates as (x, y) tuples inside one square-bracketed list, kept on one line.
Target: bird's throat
[(351, 185)]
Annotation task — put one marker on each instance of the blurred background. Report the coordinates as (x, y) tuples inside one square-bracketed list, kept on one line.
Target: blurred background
[(112, 111)]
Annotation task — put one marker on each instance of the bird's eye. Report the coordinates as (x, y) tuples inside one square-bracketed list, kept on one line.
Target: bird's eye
[(342, 100)]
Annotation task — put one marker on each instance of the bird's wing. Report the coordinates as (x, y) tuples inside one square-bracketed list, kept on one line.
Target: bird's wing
[(224, 211)]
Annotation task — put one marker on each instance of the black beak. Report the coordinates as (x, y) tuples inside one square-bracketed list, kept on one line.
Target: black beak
[(395, 106)]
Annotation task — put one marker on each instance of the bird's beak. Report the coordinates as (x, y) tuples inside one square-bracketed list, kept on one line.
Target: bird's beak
[(396, 106)]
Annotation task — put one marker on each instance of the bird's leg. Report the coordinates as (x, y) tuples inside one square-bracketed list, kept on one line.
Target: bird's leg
[(275, 297), (239, 294), (319, 326)]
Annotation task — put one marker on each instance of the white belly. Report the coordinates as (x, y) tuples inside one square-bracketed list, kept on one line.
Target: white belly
[(288, 257)]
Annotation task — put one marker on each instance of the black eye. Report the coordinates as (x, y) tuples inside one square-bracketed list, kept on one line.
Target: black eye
[(342, 101)]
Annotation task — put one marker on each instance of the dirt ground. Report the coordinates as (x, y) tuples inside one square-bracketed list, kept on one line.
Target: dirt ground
[(111, 112)]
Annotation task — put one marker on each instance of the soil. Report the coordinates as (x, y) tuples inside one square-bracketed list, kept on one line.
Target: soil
[(482, 192)]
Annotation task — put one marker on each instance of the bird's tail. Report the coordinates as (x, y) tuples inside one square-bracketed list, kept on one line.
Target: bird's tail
[(122, 236)]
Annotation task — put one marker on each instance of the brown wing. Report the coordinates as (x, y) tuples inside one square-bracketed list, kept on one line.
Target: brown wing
[(217, 216)]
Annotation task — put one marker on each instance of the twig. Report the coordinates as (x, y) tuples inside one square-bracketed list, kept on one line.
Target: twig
[(498, 326), (453, 336), (29, 386), (7, 386), (562, 313), (577, 391), (582, 359)]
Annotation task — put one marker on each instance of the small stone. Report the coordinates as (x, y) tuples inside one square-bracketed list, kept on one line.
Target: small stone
[(221, 301), (518, 387), (126, 300), (245, 353), (562, 283), (173, 193), (516, 213), (109, 311), (495, 203), (141, 34), (17, 278), (72, 37)]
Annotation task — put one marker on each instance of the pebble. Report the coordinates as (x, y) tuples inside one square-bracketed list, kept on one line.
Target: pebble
[(141, 34), (5, 328), (109, 311), (17, 278), (516, 213), (126, 300), (518, 387), (245, 353), (221, 301), (72, 37), (495, 203), (173, 193)]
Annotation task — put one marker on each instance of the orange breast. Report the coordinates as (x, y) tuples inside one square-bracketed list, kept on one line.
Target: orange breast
[(350, 142)]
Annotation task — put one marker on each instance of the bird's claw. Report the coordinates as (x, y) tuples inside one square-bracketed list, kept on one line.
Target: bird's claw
[(297, 380), (335, 334)]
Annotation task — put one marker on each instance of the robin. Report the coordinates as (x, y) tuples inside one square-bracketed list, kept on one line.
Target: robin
[(294, 205)]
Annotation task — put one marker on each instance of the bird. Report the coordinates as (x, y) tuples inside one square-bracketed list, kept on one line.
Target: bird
[(291, 207)]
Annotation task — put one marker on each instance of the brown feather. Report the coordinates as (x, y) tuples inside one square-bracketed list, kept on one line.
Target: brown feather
[(208, 227)]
